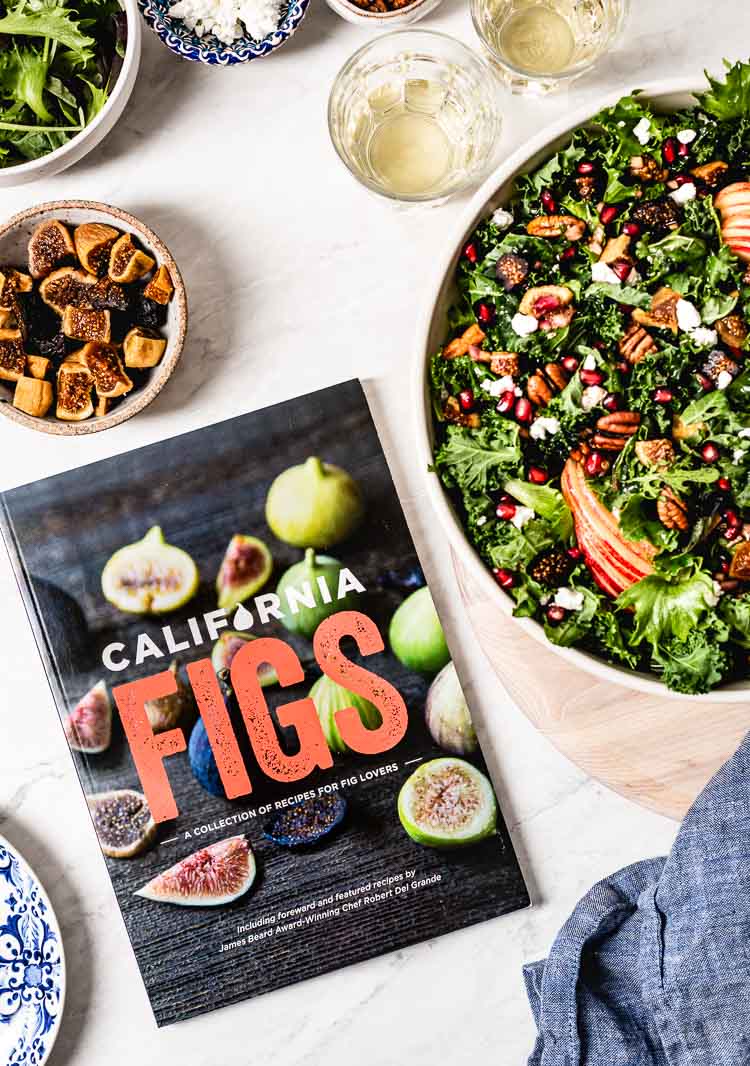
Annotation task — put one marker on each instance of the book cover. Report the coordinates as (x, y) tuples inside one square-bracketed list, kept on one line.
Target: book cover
[(258, 697)]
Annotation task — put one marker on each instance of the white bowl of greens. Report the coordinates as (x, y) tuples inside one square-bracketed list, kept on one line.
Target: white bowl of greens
[(670, 629), (66, 73)]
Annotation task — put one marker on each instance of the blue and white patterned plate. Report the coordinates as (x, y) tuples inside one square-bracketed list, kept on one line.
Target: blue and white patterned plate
[(180, 40), (32, 965)]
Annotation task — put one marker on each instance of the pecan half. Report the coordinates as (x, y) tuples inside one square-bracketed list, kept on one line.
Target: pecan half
[(636, 344), (710, 173), (658, 454), (538, 391), (604, 443), (646, 168), (614, 430), (671, 510), (452, 413), (551, 226), (557, 375), (663, 313), (732, 330), (460, 346)]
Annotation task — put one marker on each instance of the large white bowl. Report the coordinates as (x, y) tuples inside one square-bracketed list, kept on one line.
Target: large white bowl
[(432, 329), (80, 145)]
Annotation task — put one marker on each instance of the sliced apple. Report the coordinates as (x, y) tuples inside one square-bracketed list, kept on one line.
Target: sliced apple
[(614, 562), (733, 203)]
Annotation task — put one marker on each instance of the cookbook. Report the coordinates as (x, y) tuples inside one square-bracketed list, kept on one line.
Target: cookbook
[(276, 753)]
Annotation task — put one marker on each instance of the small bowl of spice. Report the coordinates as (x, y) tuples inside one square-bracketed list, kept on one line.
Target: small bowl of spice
[(383, 14), (223, 32)]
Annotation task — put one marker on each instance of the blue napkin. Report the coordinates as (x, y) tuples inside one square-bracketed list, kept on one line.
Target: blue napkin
[(653, 966)]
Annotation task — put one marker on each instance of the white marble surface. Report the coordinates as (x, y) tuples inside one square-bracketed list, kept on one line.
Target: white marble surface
[(298, 278)]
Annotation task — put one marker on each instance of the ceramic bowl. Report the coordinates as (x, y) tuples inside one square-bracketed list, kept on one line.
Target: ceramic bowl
[(184, 43), (14, 237), (383, 20), (431, 332), (97, 130)]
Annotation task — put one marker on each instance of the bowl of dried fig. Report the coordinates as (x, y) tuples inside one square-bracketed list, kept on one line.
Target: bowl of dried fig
[(93, 317)]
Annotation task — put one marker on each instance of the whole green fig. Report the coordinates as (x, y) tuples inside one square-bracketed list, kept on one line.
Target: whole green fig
[(416, 635), (447, 714), (314, 505), (329, 697), (309, 607)]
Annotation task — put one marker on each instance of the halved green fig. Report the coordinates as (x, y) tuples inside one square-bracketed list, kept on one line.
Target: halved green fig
[(305, 579), (227, 646), (447, 803), (122, 821), (150, 576), (88, 727), (315, 504), (246, 567), (416, 635), (215, 875), (330, 697), (166, 711)]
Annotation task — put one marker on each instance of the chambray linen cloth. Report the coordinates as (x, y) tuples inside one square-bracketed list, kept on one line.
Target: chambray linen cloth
[(653, 966)]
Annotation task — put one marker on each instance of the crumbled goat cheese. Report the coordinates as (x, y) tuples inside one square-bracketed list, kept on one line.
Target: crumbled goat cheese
[(523, 325), (604, 272), (712, 598), (543, 427), (482, 520), (593, 395), (738, 455), (685, 192), (503, 219), (642, 131), (589, 363), (228, 19), (522, 516), (724, 380), (688, 318), (496, 387), (744, 432), (686, 136), (704, 337), (569, 599)]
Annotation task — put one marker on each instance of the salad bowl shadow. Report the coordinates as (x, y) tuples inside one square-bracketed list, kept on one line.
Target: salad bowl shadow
[(432, 328), (77, 147), (186, 44)]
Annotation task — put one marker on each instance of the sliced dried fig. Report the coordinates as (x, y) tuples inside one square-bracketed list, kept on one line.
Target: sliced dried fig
[(66, 287), (38, 366), (12, 355), (103, 360), (82, 324), (142, 348), (50, 245), (160, 288), (93, 243), (32, 396), (74, 385), (128, 263)]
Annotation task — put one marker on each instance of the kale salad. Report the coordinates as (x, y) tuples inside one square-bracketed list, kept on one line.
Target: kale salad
[(59, 62), (593, 399)]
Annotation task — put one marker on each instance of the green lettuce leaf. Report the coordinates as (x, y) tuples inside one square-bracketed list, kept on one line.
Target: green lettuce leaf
[(729, 98), (545, 501), (668, 605)]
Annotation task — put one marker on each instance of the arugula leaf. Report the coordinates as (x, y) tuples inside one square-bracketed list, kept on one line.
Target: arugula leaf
[(55, 23), (668, 605), (729, 98), (621, 294), (545, 501), (23, 74), (475, 461)]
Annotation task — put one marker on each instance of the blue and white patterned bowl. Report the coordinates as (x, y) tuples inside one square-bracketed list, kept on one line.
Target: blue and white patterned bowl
[(32, 965), (183, 42)]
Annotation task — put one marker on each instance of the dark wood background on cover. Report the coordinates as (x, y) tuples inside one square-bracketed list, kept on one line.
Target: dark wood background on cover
[(201, 488)]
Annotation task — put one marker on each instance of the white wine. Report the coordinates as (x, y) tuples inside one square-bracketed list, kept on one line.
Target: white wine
[(409, 152), (537, 40)]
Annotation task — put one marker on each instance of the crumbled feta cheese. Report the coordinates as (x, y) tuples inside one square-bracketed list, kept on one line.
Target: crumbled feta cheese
[(482, 520), (686, 136), (704, 337), (621, 124), (712, 598), (724, 380), (522, 516), (229, 19), (642, 131), (684, 193), (688, 318), (744, 432), (523, 325), (593, 395), (518, 391), (503, 219), (497, 386), (738, 455), (569, 599), (604, 272), (589, 363), (543, 427)]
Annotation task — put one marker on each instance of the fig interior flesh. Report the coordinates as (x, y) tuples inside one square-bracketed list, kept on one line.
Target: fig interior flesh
[(88, 727), (306, 823), (246, 567), (122, 821), (210, 877), (149, 576), (447, 803)]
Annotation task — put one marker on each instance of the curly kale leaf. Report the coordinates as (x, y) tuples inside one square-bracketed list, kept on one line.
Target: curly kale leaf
[(696, 663), (479, 461)]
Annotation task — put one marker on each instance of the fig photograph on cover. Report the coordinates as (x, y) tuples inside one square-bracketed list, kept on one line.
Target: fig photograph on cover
[(272, 739)]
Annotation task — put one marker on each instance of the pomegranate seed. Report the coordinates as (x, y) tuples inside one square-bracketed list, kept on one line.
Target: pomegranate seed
[(623, 366), (506, 401), (504, 578), (555, 614), (709, 452), (592, 377), (724, 484), (724, 566), (537, 476), (575, 554), (704, 381), (570, 363), (568, 253), (545, 304), (670, 149), (622, 269), (466, 399), (505, 511), (537, 264), (683, 179), (505, 498), (663, 395), (684, 150), (600, 346), (608, 214), (611, 402), (731, 532), (732, 519), (471, 252), (523, 409), (594, 464), (548, 202), (632, 229), (585, 167), (486, 313)]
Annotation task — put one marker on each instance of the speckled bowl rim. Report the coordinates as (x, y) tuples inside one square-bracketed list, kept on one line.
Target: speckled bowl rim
[(176, 339), (383, 17)]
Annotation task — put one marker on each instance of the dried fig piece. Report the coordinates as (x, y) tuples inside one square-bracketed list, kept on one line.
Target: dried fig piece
[(658, 454), (717, 364), (128, 263), (543, 299), (107, 295), (102, 407), (551, 568), (103, 360), (81, 324), (739, 568), (710, 173), (656, 215), (511, 271), (142, 348), (663, 313), (38, 366), (74, 385), (50, 245), (732, 330), (471, 337), (66, 287), (646, 168), (616, 248), (12, 355), (160, 289), (32, 396), (53, 347), (93, 243)]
